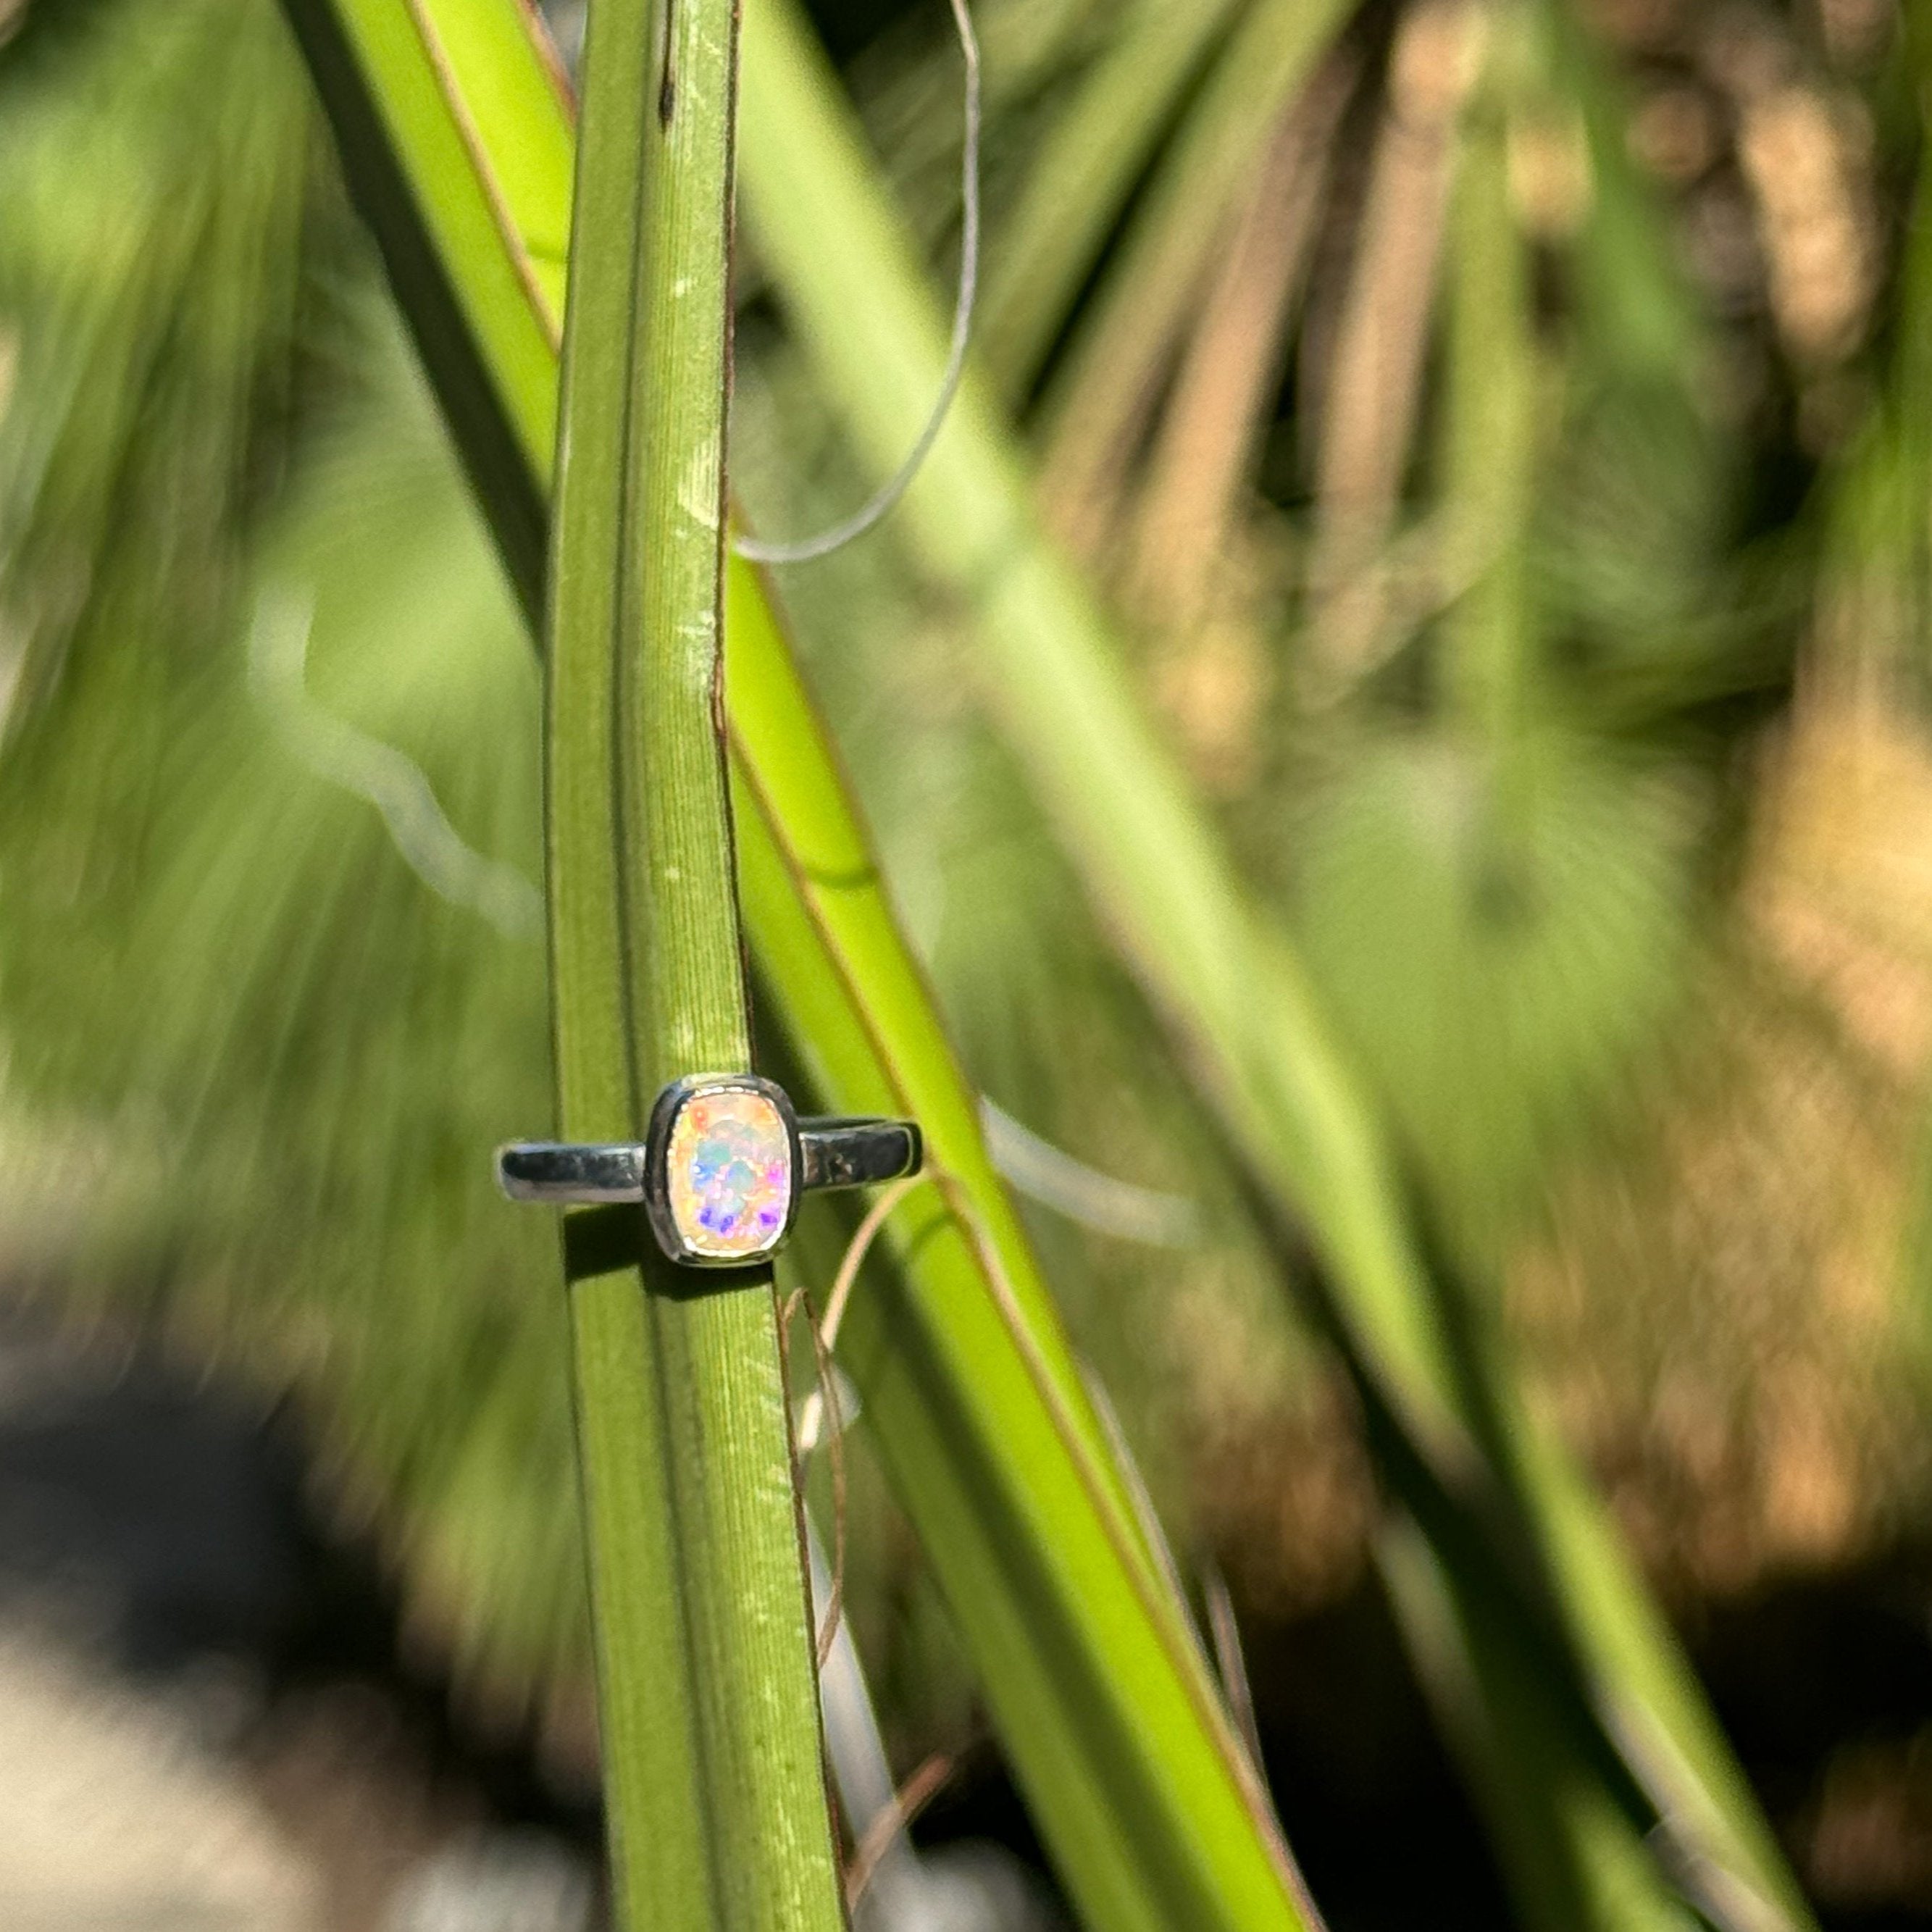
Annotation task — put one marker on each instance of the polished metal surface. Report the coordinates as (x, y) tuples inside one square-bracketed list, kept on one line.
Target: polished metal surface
[(563, 1171), (847, 1153)]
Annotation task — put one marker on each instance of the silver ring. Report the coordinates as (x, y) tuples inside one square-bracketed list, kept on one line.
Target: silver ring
[(721, 1167)]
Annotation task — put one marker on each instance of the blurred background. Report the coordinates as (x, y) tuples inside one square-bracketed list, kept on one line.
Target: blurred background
[(1531, 555)]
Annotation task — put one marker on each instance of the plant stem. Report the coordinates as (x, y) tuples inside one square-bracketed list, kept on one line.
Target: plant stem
[(713, 1778)]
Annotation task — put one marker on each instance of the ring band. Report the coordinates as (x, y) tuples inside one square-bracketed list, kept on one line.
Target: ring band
[(833, 1153), (721, 1169)]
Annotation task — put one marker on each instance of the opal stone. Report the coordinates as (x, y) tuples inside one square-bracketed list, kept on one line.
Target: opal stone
[(728, 1174)]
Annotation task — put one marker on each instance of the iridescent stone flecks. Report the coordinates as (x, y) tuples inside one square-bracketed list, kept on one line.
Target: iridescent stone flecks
[(728, 1176)]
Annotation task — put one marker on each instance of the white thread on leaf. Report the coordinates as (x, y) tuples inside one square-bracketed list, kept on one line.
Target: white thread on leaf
[(861, 520)]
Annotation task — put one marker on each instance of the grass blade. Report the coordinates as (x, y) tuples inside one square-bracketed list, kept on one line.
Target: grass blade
[(435, 196), (715, 1792), (1101, 1698), (1489, 433), (1076, 185), (1100, 395)]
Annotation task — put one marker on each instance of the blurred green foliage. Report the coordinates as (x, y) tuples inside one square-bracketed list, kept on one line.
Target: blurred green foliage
[(218, 449), (1685, 488)]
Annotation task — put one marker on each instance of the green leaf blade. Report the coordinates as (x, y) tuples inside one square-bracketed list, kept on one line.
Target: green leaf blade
[(713, 1770)]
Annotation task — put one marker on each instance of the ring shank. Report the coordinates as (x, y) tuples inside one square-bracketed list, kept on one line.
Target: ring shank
[(852, 1153), (832, 1152), (567, 1171)]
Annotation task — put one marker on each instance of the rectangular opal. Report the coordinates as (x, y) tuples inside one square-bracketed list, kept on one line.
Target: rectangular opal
[(728, 1174)]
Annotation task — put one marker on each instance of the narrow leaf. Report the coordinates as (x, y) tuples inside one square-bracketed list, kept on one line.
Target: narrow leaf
[(1076, 184), (715, 1792)]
